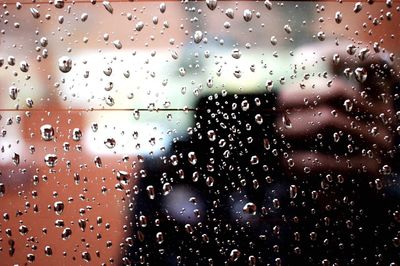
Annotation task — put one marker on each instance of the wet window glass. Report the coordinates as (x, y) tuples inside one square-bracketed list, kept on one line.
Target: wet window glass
[(199, 132)]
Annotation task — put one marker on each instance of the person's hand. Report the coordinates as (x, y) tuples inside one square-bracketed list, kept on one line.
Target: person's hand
[(337, 116)]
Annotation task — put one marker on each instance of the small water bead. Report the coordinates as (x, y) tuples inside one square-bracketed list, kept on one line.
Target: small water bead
[(192, 157), (259, 119), (254, 160), (13, 92), (198, 36), (50, 160), (268, 4), (211, 4), (338, 17), (107, 5), (2, 190), (117, 44), (212, 136), (167, 188), (351, 49), (24, 66), (286, 121), (230, 13), (139, 26), (84, 17), (86, 256), (48, 251), (35, 13), (210, 181), (151, 192), (163, 7), (47, 132), (236, 54), (59, 3), (293, 191), (321, 35), (287, 28), (234, 255), (357, 7), (76, 134), (123, 177), (247, 15), (250, 208), (65, 64), (159, 237), (98, 162), (58, 207), (30, 257), (23, 230)]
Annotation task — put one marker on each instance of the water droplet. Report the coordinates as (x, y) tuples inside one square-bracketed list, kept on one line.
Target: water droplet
[(58, 207), (48, 251), (163, 7), (321, 36), (2, 189), (76, 134), (236, 54), (98, 162), (110, 143), (286, 121), (151, 192), (338, 17), (351, 49), (357, 7), (159, 237), (23, 230), (13, 92), (24, 66), (336, 59), (47, 132), (247, 15), (192, 157), (139, 26), (254, 160), (363, 54), (64, 64), (84, 17), (35, 13), (268, 4), (16, 158), (50, 160), (230, 13), (386, 169), (86, 256), (361, 74), (293, 191), (167, 188), (234, 255), (59, 3), (108, 7), (123, 177), (211, 4), (259, 119), (287, 28), (198, 36), (174, 55), (210, 181)]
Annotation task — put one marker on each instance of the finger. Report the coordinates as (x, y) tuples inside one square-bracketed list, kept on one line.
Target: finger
[(307, 123), (308, 163), (340, 94)]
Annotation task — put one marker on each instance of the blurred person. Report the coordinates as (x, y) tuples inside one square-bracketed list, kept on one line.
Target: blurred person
[(302, 175)]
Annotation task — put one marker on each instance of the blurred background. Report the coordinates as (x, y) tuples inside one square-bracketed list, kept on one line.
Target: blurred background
[(89, 91)]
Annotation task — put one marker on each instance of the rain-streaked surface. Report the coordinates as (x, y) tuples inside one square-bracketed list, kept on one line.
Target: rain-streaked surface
[(199, 133)]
